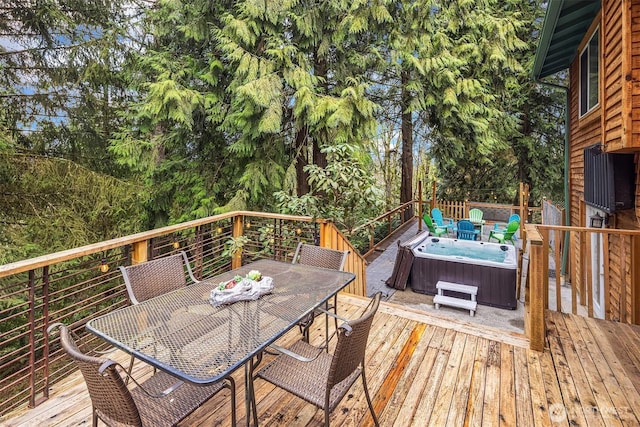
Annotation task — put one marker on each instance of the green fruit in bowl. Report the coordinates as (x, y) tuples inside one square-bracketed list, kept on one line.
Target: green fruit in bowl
[(254, 275)]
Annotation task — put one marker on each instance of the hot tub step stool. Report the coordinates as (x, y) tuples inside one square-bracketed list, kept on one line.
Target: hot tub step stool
[(470, 305)]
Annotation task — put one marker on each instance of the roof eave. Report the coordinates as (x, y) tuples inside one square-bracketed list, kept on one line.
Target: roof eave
[(548, 28)]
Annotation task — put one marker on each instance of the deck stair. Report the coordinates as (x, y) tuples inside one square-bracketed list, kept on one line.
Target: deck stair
[(442, 299)]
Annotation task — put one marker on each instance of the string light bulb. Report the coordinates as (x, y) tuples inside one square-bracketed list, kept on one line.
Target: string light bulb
[(104, 267), (176, 245)]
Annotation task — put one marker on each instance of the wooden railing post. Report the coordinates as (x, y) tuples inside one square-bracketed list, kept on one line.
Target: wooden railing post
[(325, 238), (537, 282), (588, 273), (238, 223), (635, 279), (557, 256), (140, 252), (372, 232), (32, 339), (433, 195), (545, 265)]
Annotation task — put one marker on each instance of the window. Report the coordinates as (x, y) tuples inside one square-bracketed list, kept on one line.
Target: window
[(589, 74)]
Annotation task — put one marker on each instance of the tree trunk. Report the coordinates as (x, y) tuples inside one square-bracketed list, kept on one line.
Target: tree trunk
[(320, 70), (406, 183), (302, 177)]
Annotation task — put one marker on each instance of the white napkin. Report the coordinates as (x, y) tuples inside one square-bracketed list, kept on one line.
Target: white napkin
[(246, 290)]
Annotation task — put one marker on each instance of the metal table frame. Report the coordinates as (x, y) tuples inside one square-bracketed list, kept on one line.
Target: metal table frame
[(183, 334)]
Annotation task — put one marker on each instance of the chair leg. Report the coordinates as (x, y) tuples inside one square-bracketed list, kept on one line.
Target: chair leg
[(326, 328), (305, 325), (326, 321), (231, 385), (250, 393), (366, 393), (326, 409), (129, 370), (335, 311), (305, 334)]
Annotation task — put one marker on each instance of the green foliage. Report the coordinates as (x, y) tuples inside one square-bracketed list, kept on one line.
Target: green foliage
[(482, 139), (234, 246), (344, 191), (61, 80), (51, 204)]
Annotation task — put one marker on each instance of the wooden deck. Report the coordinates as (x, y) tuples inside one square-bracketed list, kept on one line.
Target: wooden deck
[(427, 370)]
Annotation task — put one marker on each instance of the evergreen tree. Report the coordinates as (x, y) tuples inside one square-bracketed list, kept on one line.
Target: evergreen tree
[(294, 89), (60, 79), (172, 138), (474, 70)]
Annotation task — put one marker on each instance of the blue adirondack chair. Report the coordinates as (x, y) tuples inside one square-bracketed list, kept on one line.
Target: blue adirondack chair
[(440, 221), (466, 230), (507, 236), (433, 229)]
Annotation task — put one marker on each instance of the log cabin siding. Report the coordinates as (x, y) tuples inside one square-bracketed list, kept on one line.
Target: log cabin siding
[(637, 210), (611, 94), (615, 39), (616, 124), (619, 272), (632, 77)]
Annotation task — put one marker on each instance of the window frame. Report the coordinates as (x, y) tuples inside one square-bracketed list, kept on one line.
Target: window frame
[(584, 86)]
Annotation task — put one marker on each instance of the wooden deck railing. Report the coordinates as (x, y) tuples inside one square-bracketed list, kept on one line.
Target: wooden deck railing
[(492, 211), (377, 230), (620, 300), (75, 285)]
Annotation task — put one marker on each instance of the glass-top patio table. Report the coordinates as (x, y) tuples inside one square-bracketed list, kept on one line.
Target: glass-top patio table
[(183, 334)]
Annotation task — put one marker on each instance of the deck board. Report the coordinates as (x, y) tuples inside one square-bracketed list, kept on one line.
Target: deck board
[(522, 390), (424, 369), (507, 387), (475, 402), (490, 409)]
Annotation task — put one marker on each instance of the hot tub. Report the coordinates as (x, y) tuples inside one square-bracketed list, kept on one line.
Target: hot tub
[(492, 267)]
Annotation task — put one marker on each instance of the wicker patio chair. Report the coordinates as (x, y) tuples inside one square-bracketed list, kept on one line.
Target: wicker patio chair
[(156, 277), (319, 257), (321, 378), (161, 400)]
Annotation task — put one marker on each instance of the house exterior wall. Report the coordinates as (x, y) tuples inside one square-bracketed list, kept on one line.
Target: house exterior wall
[(633, 83), (615, 123), (612, 59)]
